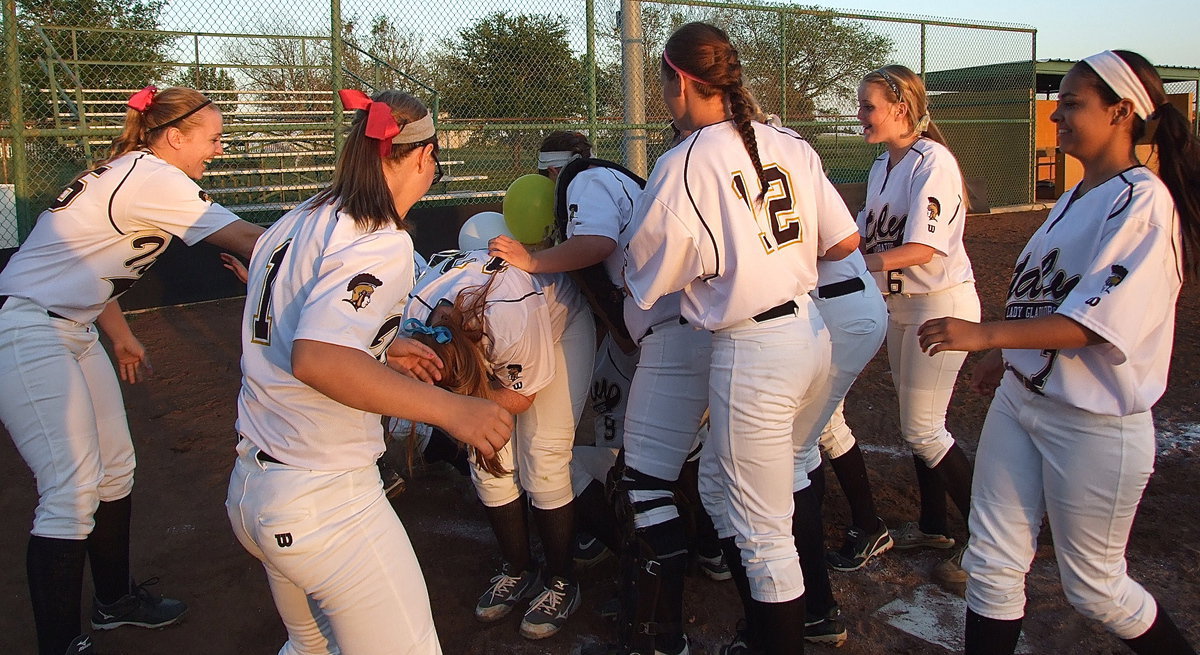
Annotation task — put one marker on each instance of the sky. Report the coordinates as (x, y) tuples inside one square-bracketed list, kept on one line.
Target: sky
[(1164, 31)]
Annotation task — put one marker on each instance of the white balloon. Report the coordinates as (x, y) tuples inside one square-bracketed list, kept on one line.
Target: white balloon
[(481, 228)]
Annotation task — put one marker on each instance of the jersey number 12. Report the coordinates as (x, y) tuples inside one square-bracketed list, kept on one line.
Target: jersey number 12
[(785, 227)]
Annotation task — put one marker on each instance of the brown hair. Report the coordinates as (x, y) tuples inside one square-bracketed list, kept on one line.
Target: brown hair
[(1177, 148), (901, 84), (176, 106), (705, 52), (358, 186), (466, 371), (574, 142)]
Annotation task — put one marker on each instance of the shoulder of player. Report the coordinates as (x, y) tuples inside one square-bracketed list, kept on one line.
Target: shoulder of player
[(1139, 194), (143, 168), (928, 154)]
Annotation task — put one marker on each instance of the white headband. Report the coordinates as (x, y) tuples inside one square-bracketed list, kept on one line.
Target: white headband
[(555, 158), (416, 131), (1122, 80)]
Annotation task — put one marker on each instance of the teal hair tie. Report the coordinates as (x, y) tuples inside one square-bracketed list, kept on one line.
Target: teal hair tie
[(440, 334)]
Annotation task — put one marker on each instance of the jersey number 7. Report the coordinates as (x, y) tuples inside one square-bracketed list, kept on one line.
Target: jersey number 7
[(785, 227)]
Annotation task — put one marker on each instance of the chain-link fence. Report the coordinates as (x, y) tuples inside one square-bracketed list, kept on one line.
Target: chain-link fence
[(498, 74)]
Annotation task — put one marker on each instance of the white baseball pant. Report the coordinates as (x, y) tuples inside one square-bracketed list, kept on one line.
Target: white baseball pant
[(857, 323), (61, 403), (760, 374), (539, 454), (342, 571), (925, 384), (1040, 457)]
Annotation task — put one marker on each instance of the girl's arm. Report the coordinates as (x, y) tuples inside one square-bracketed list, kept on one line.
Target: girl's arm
[(237, 237), (902, 256), (573, 254), (130, 353), (1053, 332), (511, 401), (356, 379)]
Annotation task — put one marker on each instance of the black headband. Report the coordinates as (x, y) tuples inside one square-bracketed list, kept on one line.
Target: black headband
[(891, 82), (179, 118)]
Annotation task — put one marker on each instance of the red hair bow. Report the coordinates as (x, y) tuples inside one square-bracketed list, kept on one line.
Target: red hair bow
[(142, 100), (381, 124)]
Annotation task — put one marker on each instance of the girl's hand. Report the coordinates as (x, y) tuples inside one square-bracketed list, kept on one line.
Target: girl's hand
[(985, 377), (414, 359), (131, 357), (938, 334), (234, 264), (512, 251), (479, 423)]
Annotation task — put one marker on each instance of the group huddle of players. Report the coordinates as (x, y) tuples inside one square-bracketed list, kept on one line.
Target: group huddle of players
[(737, 299)]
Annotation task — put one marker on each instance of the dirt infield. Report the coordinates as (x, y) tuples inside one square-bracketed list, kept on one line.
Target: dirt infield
[(182, 422)]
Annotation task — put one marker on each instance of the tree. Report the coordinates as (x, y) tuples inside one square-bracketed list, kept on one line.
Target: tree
[(511, 66), (207, 79), (39, 48)]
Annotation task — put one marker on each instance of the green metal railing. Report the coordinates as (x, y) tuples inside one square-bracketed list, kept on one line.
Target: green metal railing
[(497, 76)]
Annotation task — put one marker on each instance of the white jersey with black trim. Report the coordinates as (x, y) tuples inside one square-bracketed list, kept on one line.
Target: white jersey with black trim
[(104, 231), (697, 227), (600, 203), (920, 200), (1111, 261), (525, 313), (316, 275)]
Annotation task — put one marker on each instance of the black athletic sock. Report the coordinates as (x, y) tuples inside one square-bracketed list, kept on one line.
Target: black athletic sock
[(594, 515), (556, 527), (986, 636), (809, 534), (55, 570), (1162, 637), (108, 550), (511, 527), (783, 627), (933, 499), (741, 581), (956, 471), (851, 471)]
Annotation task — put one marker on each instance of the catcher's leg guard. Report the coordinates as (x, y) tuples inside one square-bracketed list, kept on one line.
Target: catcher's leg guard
[(653, 563)]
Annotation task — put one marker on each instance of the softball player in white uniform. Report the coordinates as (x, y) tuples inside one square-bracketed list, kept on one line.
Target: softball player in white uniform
[(854, 311), (536, 337), (912, 227), (327, 284), (1086, 343), (750, 287), (59, 398)]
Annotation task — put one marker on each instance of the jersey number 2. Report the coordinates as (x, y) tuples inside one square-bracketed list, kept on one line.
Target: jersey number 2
[(261, 327), (785, 226)]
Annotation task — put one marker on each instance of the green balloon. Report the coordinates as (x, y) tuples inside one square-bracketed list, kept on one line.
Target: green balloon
[(529, 208)]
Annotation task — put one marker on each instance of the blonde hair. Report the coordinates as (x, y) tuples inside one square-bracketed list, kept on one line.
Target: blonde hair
[(901, 84), (176, 106)]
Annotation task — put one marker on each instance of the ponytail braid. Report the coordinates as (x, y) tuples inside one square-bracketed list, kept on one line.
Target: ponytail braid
[(743, 114)]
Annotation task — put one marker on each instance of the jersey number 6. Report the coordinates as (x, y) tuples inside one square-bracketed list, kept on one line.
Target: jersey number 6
[(785, 227), (261, 327)]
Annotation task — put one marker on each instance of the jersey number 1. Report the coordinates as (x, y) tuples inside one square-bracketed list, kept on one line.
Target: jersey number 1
[(260, 329)]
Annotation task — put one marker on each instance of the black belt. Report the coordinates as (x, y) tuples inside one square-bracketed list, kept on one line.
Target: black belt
[(1025, 382), (262, 455), (650, 330), (4, 299), (842, 288), (778, 311)]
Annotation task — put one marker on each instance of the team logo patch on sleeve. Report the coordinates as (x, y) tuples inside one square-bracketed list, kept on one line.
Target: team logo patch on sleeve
[(514, 372), (932, 211), (1116, 274), (205, 197), (361, 287)]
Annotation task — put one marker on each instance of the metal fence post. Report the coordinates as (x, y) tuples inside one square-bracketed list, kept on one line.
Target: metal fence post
[(592, 109), (633, 59), (783, 66), (20, 164), (335, 46)]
